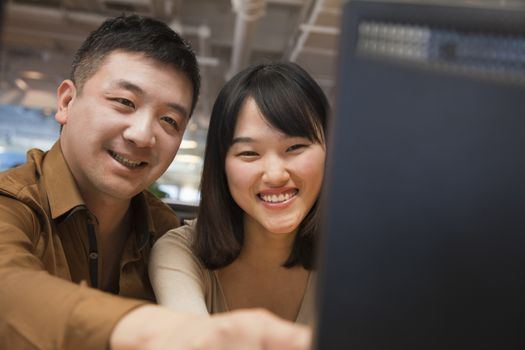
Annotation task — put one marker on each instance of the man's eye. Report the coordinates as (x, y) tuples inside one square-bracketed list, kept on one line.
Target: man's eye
[(125, 102), (296, 147), (171, 122)]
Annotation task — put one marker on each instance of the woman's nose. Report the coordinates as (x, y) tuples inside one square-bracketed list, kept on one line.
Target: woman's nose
[(275, 172)]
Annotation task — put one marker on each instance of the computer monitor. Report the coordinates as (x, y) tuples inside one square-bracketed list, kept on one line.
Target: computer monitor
[(423, 242)]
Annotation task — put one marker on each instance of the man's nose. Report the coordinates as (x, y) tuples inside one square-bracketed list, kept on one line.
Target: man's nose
[(140, 130)]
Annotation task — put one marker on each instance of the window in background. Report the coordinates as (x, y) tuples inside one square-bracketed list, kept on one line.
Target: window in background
[(23, 128)]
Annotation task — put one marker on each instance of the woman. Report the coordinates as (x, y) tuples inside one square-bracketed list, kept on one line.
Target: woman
[(258, 220)]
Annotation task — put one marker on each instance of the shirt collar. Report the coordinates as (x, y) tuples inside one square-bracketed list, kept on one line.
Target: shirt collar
[(64, 196), (61, 188), (142, 220)]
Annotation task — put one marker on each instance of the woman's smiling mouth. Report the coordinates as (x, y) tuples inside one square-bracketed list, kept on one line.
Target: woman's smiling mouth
[(278, 198)]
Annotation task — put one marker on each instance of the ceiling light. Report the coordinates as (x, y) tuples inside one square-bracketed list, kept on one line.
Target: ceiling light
[(188, 158), (22, 85), (188, 144), (33, 74)]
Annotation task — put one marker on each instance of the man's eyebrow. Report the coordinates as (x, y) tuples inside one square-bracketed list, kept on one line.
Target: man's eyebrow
[(127, 85), (180, 109)]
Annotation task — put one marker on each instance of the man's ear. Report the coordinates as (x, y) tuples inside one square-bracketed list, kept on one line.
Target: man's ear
[(66, 93)]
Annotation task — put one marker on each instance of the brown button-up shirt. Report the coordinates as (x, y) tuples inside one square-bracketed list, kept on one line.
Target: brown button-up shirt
[(49, 265)]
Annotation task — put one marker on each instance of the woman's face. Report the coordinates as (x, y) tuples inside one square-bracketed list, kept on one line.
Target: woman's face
[(273, 177)]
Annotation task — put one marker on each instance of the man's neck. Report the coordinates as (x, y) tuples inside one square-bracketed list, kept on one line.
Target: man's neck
[(110, 213), (114, 219)]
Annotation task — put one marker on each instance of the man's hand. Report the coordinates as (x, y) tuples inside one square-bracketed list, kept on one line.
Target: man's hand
[(156, 328)]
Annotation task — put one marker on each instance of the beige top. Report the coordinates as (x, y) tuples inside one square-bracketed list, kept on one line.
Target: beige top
[(182, 283)]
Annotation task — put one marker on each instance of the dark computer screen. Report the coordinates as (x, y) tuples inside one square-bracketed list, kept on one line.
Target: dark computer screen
[(423, 241)]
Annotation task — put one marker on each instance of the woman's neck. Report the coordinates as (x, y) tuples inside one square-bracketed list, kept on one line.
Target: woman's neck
[(264, 249)]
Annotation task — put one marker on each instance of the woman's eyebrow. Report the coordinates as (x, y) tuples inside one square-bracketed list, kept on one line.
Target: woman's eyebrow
[(248, 139), (243, 139)]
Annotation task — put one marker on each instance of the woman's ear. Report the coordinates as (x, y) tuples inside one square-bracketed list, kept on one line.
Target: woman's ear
[(66, 93)]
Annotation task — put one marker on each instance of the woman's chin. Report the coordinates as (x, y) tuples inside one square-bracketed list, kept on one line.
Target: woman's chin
[(283, 229)]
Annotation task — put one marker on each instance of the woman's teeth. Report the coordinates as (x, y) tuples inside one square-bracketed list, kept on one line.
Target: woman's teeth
[(277, 198), (127, 162)]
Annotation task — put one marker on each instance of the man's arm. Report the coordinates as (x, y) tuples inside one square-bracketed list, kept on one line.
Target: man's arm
[(42, 311), (154, 327)]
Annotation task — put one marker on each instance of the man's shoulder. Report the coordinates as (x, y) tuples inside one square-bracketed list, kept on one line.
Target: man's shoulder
[(20, 191), (163, 217), (156, 205), (22, 180)]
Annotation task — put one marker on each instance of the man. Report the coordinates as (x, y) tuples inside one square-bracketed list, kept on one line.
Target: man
[(76, 225)]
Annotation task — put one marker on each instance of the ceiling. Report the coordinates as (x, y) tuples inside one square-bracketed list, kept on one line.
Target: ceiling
[(40, 37)]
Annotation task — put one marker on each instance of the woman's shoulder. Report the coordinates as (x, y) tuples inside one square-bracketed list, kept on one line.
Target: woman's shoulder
[(306, 313), (175, 249), (181, 235)]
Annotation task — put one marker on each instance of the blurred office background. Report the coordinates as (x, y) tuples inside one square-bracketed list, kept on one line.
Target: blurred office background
[(39, 38)]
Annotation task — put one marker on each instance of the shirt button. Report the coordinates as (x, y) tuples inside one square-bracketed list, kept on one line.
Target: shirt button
[(93, 255)]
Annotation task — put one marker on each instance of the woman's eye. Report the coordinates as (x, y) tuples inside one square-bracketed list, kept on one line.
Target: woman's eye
[(125, 102), (171, 122), (247, 154), (296, 147)]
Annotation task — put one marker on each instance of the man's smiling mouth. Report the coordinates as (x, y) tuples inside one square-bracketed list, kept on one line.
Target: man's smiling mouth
[(127, 162)]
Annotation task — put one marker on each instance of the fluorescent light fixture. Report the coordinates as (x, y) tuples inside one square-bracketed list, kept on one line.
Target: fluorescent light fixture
[(188, 144), (22, 85), (32, 74), (188, 158)]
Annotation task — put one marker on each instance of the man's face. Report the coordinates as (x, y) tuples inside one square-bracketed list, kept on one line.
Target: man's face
[(122, 131)]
